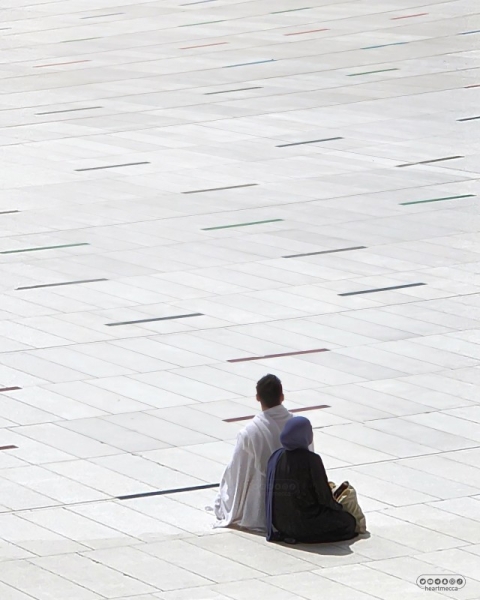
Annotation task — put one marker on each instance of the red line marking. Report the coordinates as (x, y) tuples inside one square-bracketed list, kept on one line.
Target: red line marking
[(235, 360), (408, 16), (10, 389), (294, 410), (467, 87), (303, 32), (204, 45), (73, 62)]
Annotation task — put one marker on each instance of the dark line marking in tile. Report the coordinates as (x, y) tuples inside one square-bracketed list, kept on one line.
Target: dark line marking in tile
[(468, 119), (4, 28), (47, 285), (427, 162), (385, 289), (8, 212), (10, 389), (113, 166), (197, 2), (11, 447), (256, 62), (470, 32), (202, 23), (325, 252), (292, 410), (437, 199), (203, 45), (280, 12), (154, 319), (305, 32), (220, 189), (475, 85), (80, 40), (385, 45), (241, 224), (72, 62), (192, 488), (309, 142), (257, 87), (103, 16), (43, 248), (372, 72), (408, 16), (56, 112), (297, 353)]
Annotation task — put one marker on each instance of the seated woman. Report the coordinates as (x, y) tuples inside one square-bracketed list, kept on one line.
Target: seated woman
[(299, 501)]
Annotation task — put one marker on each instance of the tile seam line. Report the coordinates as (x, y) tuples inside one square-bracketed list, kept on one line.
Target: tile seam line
[(36, 106), (266, 574), (414, 301), (267, 77), (262, 46), (433, 4), (306, 201), (79, 503), (121, 452), (169, 562), (326, 427), (347, 310)]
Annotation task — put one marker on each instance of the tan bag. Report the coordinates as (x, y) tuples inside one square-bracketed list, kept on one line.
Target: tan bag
[(350, 503)]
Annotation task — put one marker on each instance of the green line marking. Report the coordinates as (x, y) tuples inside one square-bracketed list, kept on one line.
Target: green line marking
[(242, 224), (80, 40), (371, 72), (43, 248), (279, 12), (438, 199), (203, 23)]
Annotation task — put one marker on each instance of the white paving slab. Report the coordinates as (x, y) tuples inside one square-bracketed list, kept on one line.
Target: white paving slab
[(186, 184)]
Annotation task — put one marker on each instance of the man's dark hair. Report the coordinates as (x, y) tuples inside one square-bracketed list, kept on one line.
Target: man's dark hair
[(269, 390)]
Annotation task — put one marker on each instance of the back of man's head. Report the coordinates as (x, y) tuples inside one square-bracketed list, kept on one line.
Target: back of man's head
[(269, 391)]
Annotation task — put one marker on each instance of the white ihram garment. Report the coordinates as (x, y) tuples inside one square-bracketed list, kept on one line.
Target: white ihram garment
[(241, 498)]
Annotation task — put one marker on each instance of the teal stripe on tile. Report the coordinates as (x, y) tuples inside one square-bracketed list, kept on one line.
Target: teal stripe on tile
[(438, 199), (242, 224), (80, 40), (280, 12), (43, 248), (202, 23), (256, 62), (371, 72)]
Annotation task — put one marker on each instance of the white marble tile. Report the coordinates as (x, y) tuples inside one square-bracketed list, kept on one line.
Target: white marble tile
[(106, 411)]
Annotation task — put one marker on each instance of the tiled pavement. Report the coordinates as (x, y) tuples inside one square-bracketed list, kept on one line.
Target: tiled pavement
[(186, 184)]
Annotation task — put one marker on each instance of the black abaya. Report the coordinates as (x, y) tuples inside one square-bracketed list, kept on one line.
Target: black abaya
[(303, 505)]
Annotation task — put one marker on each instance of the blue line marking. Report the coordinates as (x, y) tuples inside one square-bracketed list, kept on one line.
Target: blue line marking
[(469, 32), (385, 45), (257, 62)]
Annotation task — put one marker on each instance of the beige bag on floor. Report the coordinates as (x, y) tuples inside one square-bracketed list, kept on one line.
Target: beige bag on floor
[(350, 503)]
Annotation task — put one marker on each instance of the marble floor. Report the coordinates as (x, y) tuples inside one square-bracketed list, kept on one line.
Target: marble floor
[(197, 193)]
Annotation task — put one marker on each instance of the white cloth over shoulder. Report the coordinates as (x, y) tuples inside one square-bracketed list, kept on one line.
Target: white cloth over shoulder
[(241, 498)]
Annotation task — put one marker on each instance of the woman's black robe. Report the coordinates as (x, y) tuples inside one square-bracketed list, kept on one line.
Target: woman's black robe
[(303, 505)]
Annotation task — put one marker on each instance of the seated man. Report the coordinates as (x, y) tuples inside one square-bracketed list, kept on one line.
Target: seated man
[(241, 498), (299, 502)]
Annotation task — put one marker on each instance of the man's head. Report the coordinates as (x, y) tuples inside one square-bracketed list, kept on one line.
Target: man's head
[(269, 391)]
